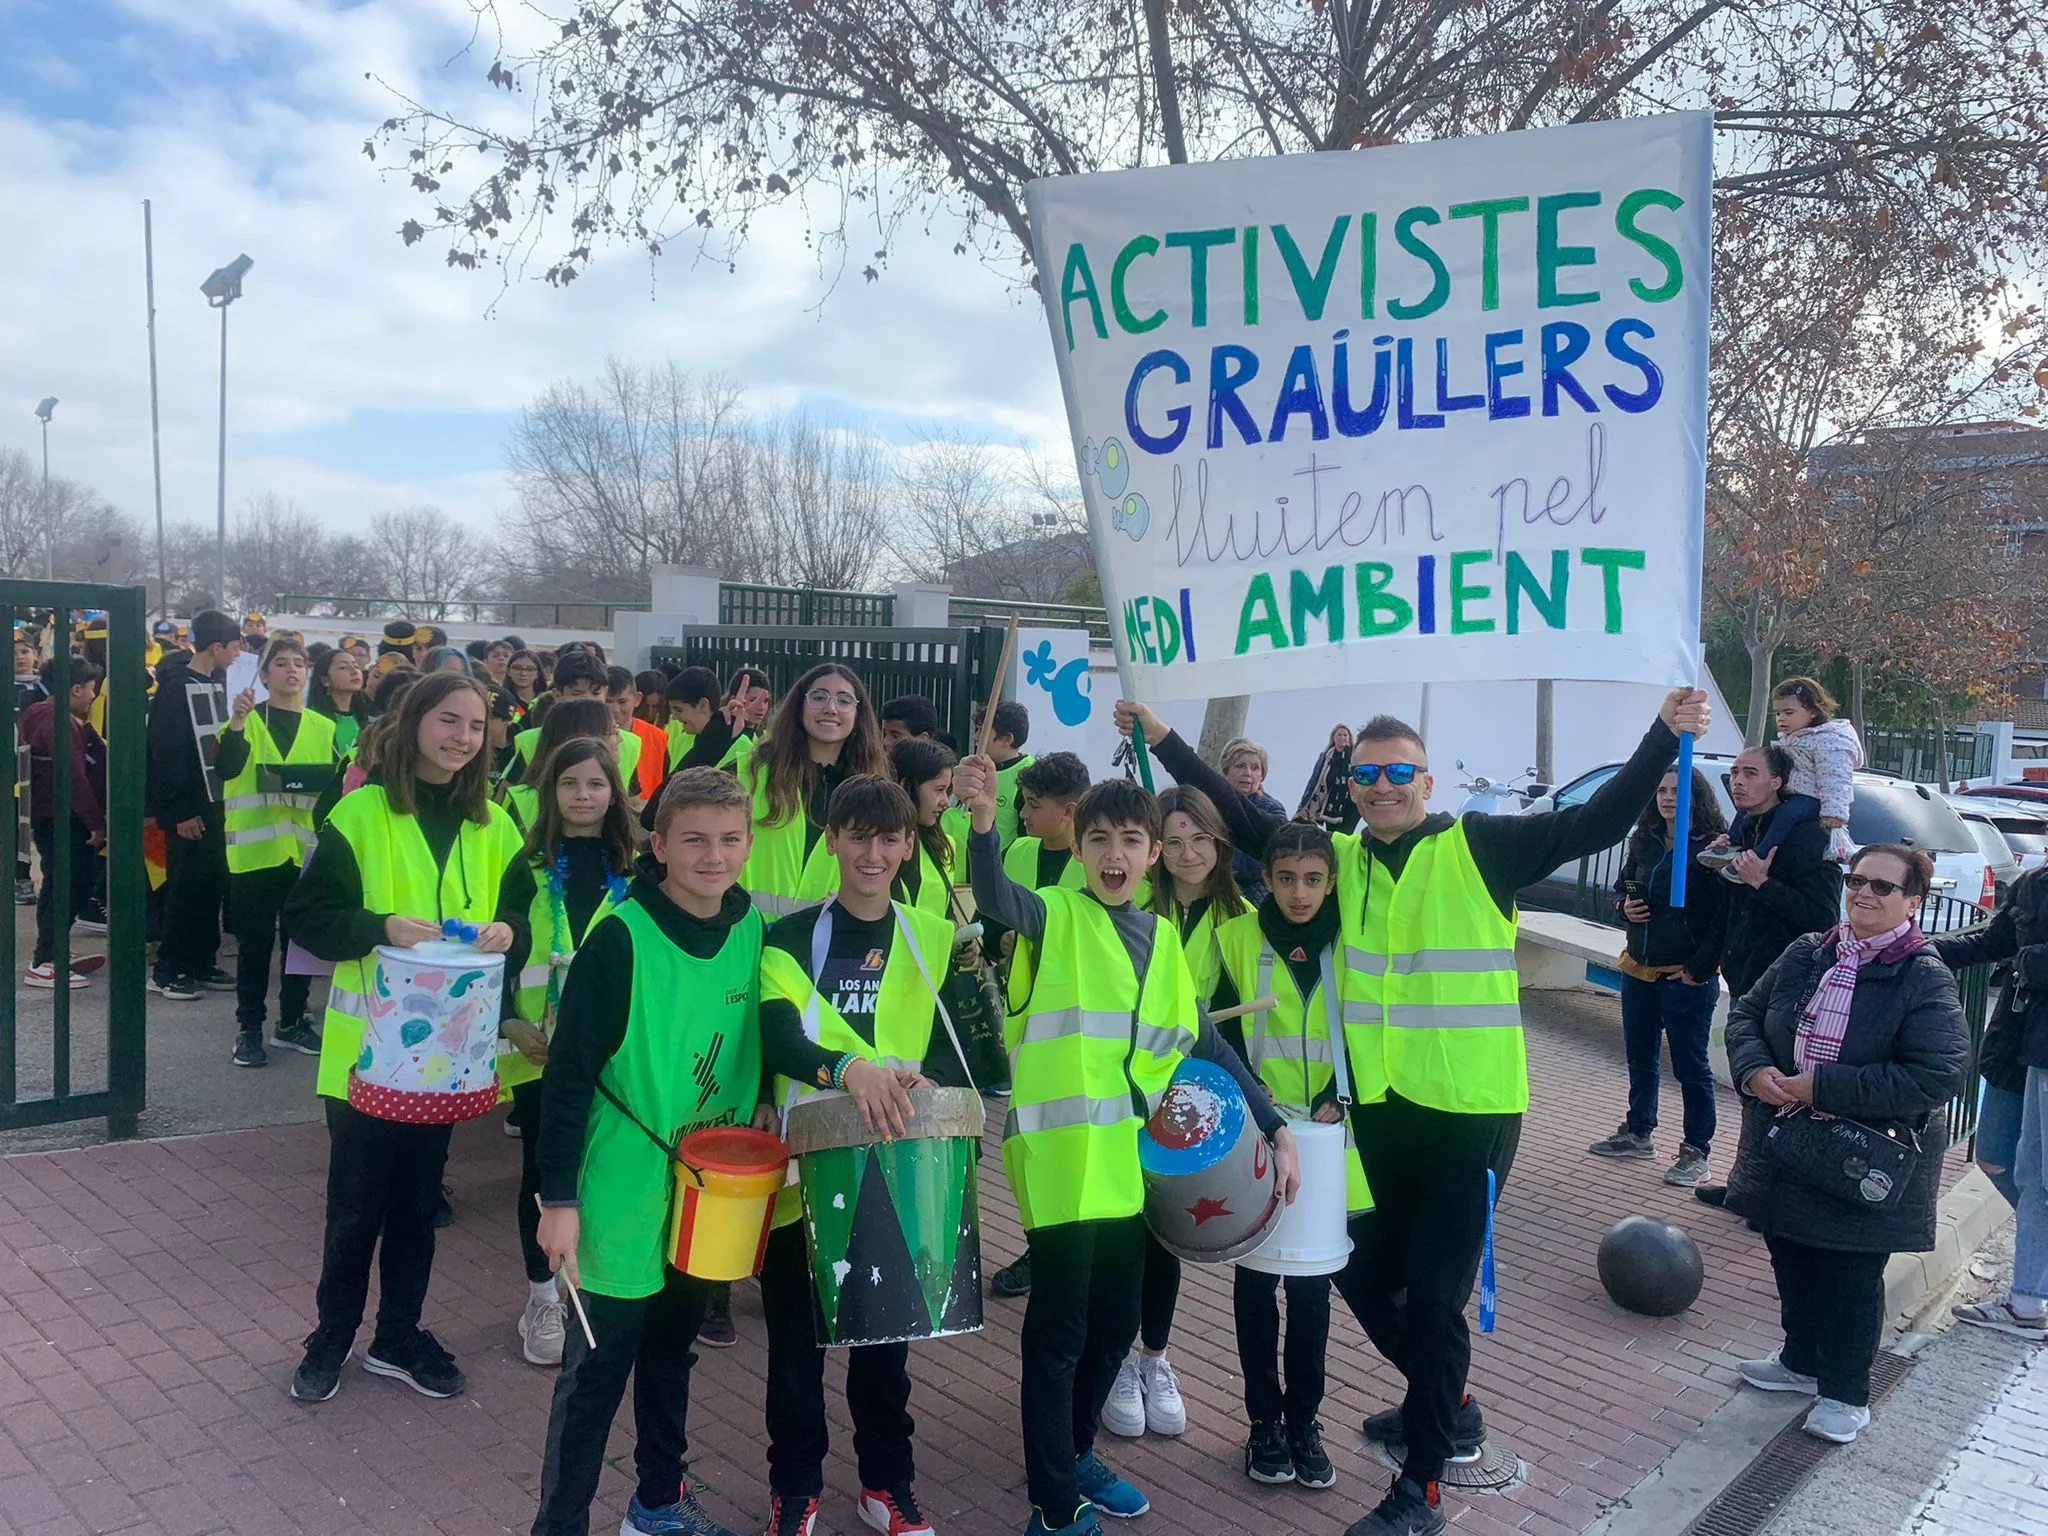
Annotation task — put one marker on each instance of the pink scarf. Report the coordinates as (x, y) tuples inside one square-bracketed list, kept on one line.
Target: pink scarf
[(1825, 1022)]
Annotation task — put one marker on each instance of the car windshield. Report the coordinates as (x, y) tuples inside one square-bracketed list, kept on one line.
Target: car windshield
[(2026, 837), (1900, 813), (1994, 846)]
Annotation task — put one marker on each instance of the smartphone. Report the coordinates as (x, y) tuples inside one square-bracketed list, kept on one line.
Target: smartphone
[(1633, 890)]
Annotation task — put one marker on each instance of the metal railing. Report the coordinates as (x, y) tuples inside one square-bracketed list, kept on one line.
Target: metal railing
[(512, 612), (997, 610), (1912, 754), (742, 602)]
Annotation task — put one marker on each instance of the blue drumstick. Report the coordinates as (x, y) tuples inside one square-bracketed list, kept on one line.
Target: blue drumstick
[(1681, 821)]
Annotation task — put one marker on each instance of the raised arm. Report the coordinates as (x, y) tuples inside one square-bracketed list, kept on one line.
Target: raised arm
[(996, 895), (1250, 824)]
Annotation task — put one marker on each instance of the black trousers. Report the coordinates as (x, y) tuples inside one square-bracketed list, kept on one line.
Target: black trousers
[(52, 905), (1427, 1168), (877, 1386), (1255, 1302), (648, 1338), (254, 901), (1832, 1306), (1159, 1297), (526, 1115), (383, 1182), (1086, 1280), (195, 884)]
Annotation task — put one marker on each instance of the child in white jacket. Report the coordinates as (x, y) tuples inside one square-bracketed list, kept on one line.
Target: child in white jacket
[(1825, 756)]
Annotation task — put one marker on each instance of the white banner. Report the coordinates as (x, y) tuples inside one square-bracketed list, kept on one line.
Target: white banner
[(1433, 412)]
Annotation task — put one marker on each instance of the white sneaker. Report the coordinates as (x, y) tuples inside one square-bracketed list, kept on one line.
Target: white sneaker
[(1124, 1413), (541, 1331), (1772, 1376), (1165, 1412), (1835, 1421)]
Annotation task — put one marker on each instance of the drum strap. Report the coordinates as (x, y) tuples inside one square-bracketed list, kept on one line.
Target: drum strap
[(1332, 1011), (945, 1015), (668, 1147)]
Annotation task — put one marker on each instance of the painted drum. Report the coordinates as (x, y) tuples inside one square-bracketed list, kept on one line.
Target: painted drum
[(1311, 1237), (430, 1042), (1210, 1195), (893, 1227), (727, 1177)]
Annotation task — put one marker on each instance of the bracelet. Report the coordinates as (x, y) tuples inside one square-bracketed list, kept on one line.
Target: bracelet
[(839, 1069)]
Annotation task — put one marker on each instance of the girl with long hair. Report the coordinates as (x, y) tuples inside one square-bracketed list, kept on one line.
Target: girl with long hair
[(569, 720), (823, 732), (925, 770), (523, 682), (337, 692), (1327, 800)]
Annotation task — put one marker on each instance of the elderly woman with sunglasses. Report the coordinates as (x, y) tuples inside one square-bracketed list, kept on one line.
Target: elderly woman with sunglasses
[(1861, 1024)]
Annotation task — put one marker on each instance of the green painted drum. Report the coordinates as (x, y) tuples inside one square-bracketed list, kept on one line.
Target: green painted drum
[(893, 1227)]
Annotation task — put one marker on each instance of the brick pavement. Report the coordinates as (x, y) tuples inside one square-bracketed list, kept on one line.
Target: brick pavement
[(155, 1294), (1996, 1484)]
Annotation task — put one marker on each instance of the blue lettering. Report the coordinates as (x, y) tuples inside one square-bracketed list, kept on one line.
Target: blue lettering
[(1564, 343), (1179, 416), (1230, 369), (1633, 401), (1500, 407)]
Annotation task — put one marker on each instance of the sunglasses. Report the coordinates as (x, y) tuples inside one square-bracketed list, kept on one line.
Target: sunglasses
[(1368, 774), (1866, 882)]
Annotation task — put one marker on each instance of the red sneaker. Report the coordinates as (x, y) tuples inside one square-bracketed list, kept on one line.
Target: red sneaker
[(792, 1517), (894, 1513)]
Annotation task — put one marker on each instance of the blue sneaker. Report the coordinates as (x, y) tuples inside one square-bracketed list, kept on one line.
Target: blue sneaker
[(1109, 1493), (1083, 1524), (685, 1517)]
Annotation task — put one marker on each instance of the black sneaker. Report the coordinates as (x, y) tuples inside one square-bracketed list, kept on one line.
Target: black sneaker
[(717, 1330), (249, 1049), (444, 1210), (1624, 1143), (216, 980), (1012, 1280), (24, 892), (418, 1360), (1468, 1429), (1265, 1454), (319, 1375), (1715, 1195), (299, 1035), (175, 989), (92, 918), (1312, 1467), (1409, 1509)]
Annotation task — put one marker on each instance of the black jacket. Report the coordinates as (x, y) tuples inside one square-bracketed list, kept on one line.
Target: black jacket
[(174, 786), (1802, 895), (1905, 1055), (1691, 936), (2017, 1037)]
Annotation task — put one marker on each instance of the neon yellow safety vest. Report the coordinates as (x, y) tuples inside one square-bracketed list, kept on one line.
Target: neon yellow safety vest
[(530, 997), (1288, 1045), (629, 753), (1006, 799), (1020, 863), (1089, 1062), (679, 743), (904, 1009), (398, 875), (1432, 1005), (785, 871), (266, 824), (1199, 945), (934, 882), (738, 756)]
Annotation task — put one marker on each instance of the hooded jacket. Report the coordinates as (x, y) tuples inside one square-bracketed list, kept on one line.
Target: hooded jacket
[(174, 787)]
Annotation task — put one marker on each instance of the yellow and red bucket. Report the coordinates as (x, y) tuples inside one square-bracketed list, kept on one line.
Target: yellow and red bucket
[(727, 1177)]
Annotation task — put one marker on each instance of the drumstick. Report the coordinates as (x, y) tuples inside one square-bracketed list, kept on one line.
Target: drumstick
[(995, 695), (1256, 1005), (575, 1300)]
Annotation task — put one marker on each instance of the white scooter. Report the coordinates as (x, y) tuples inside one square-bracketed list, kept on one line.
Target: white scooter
[(1497, 797)]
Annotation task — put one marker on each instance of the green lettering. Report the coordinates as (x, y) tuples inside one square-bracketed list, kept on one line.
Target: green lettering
[(1312, 288), (1141, 245), (1306, 600), (1488, 213), (1265, 621), (1137, 638), (1660, 249), (1550, 255), (1522, 583), (1462, 592), (1167, 623), (1380, 611), (1611, 563), (1077, 282), (1251, 274), (1198, 243), (1440, 281), (1368, 261)]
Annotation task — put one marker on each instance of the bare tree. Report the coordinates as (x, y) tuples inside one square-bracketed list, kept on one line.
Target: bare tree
[(815, 499), (274, 549), (427, 558)]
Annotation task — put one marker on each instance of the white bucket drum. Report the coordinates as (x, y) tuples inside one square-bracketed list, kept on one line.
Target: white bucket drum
[(430, 1041), (1311, 1237)]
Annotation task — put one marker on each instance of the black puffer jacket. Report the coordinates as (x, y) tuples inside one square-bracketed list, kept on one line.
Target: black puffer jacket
[(1905, 1055), (1802, 895), (2017, 1036)]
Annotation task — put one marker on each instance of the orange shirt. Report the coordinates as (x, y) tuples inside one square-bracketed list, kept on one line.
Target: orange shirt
[(653, 766)]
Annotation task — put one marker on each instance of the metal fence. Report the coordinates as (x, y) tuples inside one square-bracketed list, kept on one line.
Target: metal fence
[(742, 602), (509, 611), (997, 611), (1914, 755)]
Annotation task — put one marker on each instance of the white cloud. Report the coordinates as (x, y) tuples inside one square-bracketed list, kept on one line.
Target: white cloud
[(340, 319)]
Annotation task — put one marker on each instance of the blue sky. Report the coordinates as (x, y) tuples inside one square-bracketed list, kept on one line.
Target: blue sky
[(364, 375)]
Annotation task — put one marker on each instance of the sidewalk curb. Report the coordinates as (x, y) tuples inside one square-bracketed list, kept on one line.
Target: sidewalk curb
[(1691, 1477)]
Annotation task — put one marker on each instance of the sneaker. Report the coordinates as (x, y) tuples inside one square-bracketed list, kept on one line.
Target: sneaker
[(511, 1128), (1835, 1421), (685, 1517), (1690, 1171), (1012, 1280), (319, 1374), (24, 893), (1110, 1494), (418, 1360), (1124, 1412), (542, 1330), (1312, 1467), (249, 1049), (1624, 1143), (216, 980), (299, 1035), (717, 1332), (1409, 1509), (792, 1517), (1166, 1412), (444, 1210), (1719, 858), (894, 1512), (1265, 1454), (1999, 1314), (1468, 1429), (175, 989), (1730, 876), (1083, 1524), (1773, 1375), (1715, 1195), (44, 978), (92, 919)]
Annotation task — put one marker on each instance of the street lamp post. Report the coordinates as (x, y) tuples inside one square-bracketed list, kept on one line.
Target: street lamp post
[(221, 290), (45, 409)]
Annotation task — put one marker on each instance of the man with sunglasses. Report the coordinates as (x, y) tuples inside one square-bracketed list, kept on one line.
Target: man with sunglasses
[(1432, 1025)]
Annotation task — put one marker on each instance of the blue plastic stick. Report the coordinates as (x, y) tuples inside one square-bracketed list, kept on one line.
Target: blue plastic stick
[(1681, 821), (1486, 1285)]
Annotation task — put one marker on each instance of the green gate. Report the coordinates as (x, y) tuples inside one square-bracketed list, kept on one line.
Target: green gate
[(118, 1095), (954, 668)]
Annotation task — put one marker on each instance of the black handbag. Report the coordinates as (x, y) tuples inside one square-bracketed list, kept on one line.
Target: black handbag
[(1846, 1160)]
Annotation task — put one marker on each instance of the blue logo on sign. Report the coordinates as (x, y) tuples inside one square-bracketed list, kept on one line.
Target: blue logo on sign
[(1067, 685)]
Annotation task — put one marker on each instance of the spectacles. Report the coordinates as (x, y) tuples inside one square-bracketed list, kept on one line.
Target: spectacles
[(1867, 882), (1368, 774), (818, 698)]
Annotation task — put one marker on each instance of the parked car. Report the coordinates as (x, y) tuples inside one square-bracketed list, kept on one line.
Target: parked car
[(1886, 810), (2005, 868), (2035, 790), (2023, 824)]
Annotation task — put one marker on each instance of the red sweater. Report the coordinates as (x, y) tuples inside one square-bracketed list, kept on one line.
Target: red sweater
[(37, 726)]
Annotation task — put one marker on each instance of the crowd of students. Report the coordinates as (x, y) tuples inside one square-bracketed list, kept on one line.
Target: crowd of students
[(784, 916)]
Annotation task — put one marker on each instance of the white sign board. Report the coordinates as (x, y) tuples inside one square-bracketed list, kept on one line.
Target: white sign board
[(1432, 412), (1049, 675)]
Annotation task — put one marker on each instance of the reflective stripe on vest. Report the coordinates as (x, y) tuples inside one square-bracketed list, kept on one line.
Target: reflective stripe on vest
[(266, 829), (1058, 1114), (530, 997), (785, 870)]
